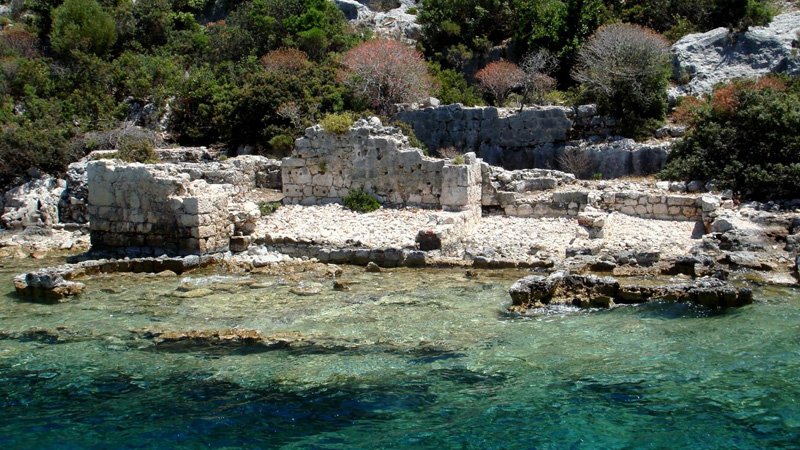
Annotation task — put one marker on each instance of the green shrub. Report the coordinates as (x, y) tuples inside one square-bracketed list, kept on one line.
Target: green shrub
[(458, 160), (82, 25), (338, 123), (413, 140), (268, 208), (744, 137), (360, 201), (282, 144), (135, 149)]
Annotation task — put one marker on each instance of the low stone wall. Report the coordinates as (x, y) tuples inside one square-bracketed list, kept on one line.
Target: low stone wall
[(156, 209), (325, 167), (653, 206)]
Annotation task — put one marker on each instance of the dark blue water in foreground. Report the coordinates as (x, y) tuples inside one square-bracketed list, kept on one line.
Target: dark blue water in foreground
[(403, 360)]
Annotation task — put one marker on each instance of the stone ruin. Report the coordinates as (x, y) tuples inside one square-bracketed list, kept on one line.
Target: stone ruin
[(325, 167), (136, 206), (537, 138), (175, 209)]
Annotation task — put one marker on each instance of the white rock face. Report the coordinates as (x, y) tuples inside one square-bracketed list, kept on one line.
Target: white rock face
[(33, 203), (395, 23), (717, 56)]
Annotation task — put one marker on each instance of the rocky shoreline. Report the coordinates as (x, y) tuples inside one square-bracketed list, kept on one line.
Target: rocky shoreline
[(180, 215)]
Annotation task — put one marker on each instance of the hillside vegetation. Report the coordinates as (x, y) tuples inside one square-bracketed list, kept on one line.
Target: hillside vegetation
[(255, 73)]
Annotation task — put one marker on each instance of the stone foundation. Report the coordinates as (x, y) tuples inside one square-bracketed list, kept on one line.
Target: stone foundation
[(156, 209)]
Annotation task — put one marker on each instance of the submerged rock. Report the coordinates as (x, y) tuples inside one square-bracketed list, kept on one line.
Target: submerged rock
[(603, 292), (193, 293), (47, 284), (198, 339)]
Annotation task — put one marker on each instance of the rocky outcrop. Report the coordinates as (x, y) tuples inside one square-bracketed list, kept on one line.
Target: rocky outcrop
[(717, 56), (325, 167), (34, 203), (393, 20), (602, 292), (72, 205)]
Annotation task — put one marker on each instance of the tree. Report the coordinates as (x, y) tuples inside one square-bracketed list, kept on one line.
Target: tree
[(82, 25), (537, 68), (625, 68), (386, 72), (499, 78)]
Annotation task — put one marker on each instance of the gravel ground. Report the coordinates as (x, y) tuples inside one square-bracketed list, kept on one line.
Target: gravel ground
[(632, 233), (519, 238), (510, 237), (337, 225)]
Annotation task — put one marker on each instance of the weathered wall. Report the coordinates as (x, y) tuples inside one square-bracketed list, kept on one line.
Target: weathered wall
[(653, 206), (535, 138), (324, 168), (154, 209)]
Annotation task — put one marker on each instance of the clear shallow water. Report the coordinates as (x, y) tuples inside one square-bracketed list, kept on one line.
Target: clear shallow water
[(408, 359)]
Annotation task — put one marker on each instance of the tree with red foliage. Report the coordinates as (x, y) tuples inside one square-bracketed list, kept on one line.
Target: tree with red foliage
[(285, 60), (386, 72), (499, 78)]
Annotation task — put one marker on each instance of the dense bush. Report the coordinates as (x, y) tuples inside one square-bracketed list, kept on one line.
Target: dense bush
[(675, 18), (337, 123), (625, 69), (84, 26), (744, 137), (136, 149), (360, 201)]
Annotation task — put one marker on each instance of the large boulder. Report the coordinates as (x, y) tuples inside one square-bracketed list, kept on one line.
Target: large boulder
[(33, 203), (719, 56), (392, 22)]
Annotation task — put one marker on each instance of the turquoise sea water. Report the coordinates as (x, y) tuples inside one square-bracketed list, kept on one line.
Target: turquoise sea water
[(406, 359)]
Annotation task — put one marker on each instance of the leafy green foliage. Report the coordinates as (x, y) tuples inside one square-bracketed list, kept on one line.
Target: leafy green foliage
[(136, 149), (745, 137), (83, 26), (267, 208), (282, 144), (676, 18), (337, 123), (361, 201), (452, 87)]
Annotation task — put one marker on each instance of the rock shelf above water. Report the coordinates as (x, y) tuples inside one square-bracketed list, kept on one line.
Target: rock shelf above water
[(590, 291)]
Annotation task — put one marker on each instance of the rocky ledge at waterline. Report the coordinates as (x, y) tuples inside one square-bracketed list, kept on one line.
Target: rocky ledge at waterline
[(591, 291)]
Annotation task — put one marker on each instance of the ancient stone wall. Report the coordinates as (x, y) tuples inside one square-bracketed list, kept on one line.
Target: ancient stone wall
[(155, 209), (653, 206), (325, 167), (535, 137)]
